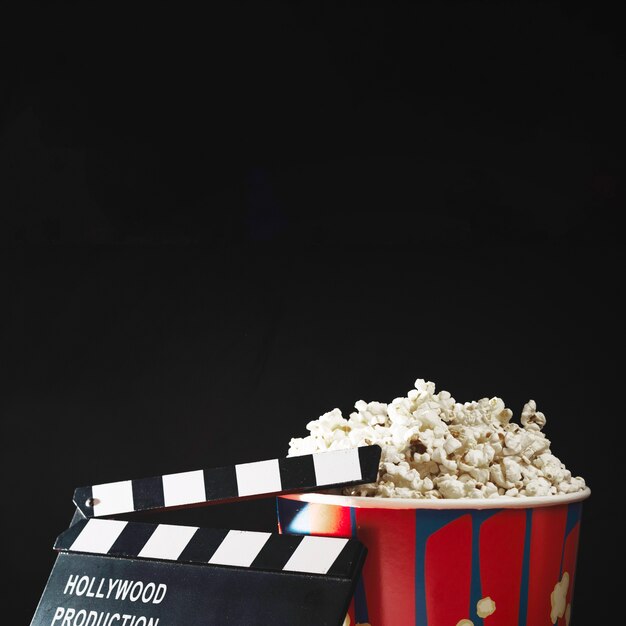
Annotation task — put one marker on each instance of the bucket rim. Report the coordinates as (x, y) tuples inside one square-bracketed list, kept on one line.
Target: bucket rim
[(501, 502)]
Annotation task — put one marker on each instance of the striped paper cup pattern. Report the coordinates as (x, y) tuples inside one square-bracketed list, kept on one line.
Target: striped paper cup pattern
[(502, 562)]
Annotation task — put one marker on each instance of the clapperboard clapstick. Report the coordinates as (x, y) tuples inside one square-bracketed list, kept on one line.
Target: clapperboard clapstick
[(234, 482), (112, 572)]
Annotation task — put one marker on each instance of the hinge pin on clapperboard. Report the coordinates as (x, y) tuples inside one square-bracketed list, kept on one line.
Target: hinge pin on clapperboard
[(108, 570)]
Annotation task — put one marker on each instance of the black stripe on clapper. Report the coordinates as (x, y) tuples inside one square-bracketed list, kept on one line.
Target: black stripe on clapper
[(132, 539), (68, 537), (349, 558), (276, 552), (297, 472), (220, 483), (148, 493), (82, 499), (202, 545), (369, 456)]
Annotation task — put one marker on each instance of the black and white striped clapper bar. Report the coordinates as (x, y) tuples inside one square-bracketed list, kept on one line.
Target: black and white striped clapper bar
[(115, 572)]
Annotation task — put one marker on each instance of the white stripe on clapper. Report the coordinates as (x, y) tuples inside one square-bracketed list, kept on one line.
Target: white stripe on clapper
[(239, 548), (258, 477), (167, 542), (112, 498), (315, 555), (338, 466), (184, 488), (98, 536)]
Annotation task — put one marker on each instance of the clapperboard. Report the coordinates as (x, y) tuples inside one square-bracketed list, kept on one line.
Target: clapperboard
[(115, 572)]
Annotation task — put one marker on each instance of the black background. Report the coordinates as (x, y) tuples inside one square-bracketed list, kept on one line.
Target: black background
[(217, 225)]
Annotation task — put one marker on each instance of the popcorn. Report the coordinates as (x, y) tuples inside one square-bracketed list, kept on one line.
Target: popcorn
[(530, 418), (485, 607), (558, 598), (435, 447)]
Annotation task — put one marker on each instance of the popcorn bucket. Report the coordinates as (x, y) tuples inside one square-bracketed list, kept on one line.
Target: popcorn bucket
[(499, 562)]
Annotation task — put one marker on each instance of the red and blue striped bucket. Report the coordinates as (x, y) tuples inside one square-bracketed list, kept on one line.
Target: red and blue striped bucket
[(430, 562)]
